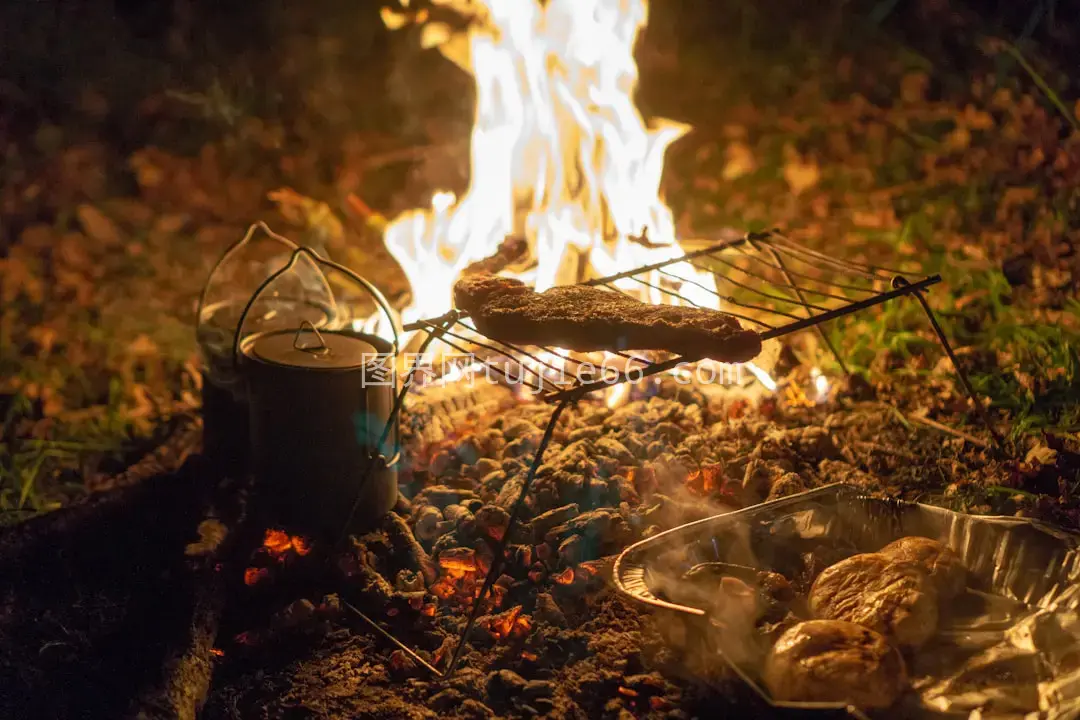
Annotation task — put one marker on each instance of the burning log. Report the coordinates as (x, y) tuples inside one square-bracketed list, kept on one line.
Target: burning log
[(513, 249)]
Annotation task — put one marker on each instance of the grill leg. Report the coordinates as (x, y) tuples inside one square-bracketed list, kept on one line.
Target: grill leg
[(999, 441), (500, 548)]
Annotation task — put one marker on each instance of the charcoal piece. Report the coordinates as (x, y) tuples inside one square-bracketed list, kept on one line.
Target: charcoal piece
[(426, 526), (456, 513), (446, 542), (541, 524), (583, 318), (616, 450), (538, 689), (571, 551), (787, 484), (503, 685), (484, 467), (509, 493), (407, 549), (547, 610), (492, 520), (442, 495), (446, 700), (585, 433)]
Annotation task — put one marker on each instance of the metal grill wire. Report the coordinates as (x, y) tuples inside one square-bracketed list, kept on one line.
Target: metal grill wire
[(769, 282)]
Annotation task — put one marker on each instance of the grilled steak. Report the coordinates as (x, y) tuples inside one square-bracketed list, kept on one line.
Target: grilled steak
[(584, 318)]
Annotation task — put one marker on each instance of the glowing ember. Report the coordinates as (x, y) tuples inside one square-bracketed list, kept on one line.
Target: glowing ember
[(255, 575), (457, 562), (509, 624), (277, 542), (217, 652), (566, 577), (300, 545)]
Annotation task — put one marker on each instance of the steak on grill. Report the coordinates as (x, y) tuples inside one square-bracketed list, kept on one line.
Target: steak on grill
[(586, 319)]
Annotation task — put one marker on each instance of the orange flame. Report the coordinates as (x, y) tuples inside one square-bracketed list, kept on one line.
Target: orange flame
[(559, 154)]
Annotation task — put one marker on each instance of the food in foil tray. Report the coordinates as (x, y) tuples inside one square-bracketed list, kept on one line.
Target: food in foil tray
[(842, 638), (945, 569), (897, 599), (987, 622), (835, 661)]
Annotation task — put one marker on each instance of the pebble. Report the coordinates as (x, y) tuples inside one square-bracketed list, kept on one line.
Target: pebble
[(504, 684)]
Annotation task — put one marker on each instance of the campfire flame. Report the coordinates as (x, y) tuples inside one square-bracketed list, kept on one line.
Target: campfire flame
[(560, 155)]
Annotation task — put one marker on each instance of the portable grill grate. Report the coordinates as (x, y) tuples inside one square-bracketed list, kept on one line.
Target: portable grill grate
[(764, 279)]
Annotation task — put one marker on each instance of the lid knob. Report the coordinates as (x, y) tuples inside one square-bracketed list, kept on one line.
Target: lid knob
[(316, 348)]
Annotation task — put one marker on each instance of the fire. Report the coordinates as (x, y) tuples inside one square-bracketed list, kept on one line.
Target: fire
[(560, 154)]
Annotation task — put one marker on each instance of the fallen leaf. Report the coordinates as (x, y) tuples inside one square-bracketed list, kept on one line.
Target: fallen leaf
[(740, 161), (958, 139), (1042, 455), (913, 87), (143, 346), (801, 174), (97, 225)]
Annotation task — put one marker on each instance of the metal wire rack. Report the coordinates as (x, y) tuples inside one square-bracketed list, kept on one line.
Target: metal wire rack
[(766, 280)]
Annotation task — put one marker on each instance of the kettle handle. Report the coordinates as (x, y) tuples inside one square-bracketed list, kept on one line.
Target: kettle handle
[(376, 295)]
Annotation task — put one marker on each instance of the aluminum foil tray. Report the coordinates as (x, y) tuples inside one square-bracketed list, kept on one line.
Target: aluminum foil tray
[(1010, 647)]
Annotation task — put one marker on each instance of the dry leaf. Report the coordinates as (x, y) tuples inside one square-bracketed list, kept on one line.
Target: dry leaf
[(740, 161), (913, 87), (801, 174), (143, 346), (958, 139)]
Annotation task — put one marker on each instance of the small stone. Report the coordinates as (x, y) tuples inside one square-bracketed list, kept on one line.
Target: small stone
[(538, 688), (474, 709), (585, 433), (296, 614), (616, 450), (547, 610), (485, 466), (504, 684), (448, 699)]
